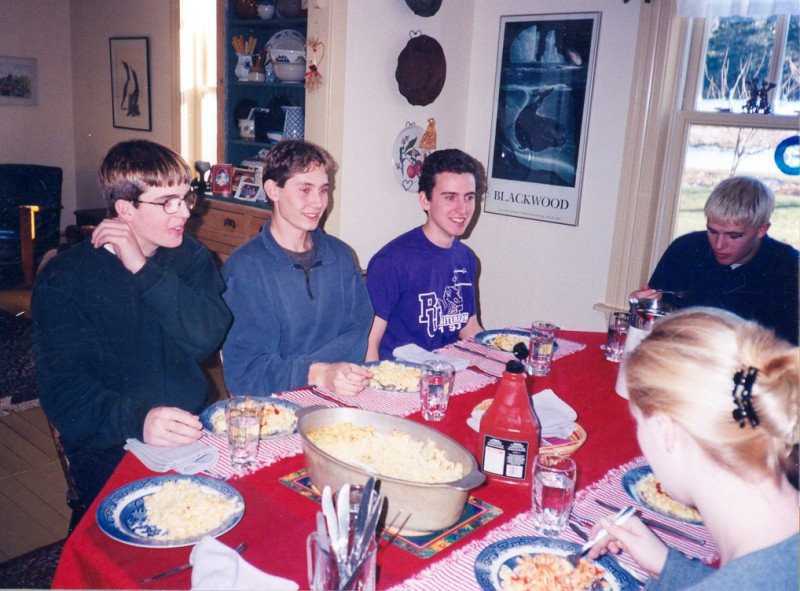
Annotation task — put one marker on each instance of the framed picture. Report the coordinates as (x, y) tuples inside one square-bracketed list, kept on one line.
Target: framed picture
[(243, 173), (247, 191), (543, 89), (130, 82), (18, 81), (222, 179)]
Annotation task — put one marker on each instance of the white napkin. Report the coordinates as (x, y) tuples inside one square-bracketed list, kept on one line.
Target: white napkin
[(416, 354), (556, 417), (184, 459), (216, 566)]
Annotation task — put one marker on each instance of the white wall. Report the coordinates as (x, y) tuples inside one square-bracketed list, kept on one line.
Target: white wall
[(529, 269), (373, 208), (41, 134), (93, 22), (539, 270)]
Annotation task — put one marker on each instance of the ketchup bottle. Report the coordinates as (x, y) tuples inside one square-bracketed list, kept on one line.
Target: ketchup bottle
[(509, 433)]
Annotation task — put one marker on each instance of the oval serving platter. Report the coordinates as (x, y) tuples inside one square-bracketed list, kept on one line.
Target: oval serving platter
[(208, 413), (121, 515), (507, 552), (629, 481), (387, 387)]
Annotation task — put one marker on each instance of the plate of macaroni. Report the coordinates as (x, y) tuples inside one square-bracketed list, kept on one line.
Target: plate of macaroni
[(641, 484), (394, 376), (504, 339), (170, 511), (278, 417), (529, 563)]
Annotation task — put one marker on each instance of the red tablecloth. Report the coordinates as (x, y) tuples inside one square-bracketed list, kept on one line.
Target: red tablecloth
[(277, 520)]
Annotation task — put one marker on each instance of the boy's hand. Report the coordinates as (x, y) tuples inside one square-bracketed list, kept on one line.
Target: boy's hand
[(347, 379), (120, 236), (170, 426)]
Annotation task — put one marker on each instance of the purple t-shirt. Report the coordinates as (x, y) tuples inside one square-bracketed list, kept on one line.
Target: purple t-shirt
[(425, 293)]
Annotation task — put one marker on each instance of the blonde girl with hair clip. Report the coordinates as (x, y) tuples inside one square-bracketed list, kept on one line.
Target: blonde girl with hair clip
[(715, 400)]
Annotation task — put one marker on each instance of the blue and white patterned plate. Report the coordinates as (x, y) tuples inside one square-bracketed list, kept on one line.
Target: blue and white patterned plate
[(219, 406), (387, 388), (507, 552), (629, 481), (486, 337), (122, 515)]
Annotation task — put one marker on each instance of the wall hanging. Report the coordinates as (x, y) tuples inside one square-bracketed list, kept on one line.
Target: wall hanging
[(421, 69), (424, 7), (130, 82), (543, 89), (409, 151), (18, 80)]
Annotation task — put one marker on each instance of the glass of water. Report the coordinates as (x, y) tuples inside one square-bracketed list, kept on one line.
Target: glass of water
[(243, 415), (617, 332), (435, 387), (553, 493), (542, 346)]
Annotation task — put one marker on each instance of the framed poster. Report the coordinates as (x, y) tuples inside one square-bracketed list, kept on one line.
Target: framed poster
[(18, 80), (543, 89), (130, 82)]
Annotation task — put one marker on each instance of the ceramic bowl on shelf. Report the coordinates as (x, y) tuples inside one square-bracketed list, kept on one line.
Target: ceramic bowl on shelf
[(265, 11), (290, 72), (288, 56)]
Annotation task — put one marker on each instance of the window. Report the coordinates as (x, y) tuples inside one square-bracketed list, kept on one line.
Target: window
[(198, 75), (723, 130)]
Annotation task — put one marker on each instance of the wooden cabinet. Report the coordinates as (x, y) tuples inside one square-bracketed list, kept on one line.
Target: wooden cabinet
[(223, 225)]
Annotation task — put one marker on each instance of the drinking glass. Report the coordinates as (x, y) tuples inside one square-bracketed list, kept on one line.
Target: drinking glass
[(542, 345), (617, 332), (243, 415), (435, 387), (553, 493), (323, 572)]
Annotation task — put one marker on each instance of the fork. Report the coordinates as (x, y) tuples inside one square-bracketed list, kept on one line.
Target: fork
[(619, 518), (481, 371)]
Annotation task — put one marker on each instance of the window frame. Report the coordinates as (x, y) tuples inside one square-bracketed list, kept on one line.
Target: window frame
[(687, 115)]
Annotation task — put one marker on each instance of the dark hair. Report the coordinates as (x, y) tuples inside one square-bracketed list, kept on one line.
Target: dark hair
[(451, 160), (292, 157), (131, 167)]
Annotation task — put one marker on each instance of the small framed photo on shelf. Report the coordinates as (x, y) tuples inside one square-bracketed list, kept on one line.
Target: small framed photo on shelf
[(246, 191), (245, 173), (222, 179)]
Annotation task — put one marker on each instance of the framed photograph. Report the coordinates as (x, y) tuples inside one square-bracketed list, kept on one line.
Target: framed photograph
[(243, 173), (543, 90), (247, 191), (222, 179), (130, 82), (18, 81)]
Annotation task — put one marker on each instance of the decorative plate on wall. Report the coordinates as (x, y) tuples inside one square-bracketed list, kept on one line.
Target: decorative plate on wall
[(407, 156)]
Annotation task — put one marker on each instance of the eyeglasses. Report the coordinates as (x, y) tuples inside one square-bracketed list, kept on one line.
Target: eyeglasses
[(173, 204)]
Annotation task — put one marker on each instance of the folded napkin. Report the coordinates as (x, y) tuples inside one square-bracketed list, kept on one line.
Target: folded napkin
[(216, 566), (184, 459), (556, 417), (416, 354)]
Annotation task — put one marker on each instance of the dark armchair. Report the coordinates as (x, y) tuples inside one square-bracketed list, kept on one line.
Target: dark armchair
[(27, 184)]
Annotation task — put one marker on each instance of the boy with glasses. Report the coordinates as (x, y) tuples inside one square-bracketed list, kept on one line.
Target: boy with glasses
[(121, 322)]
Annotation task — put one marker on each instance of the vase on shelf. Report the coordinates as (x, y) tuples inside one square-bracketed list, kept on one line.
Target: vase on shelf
[(293, 123), (244, 63)]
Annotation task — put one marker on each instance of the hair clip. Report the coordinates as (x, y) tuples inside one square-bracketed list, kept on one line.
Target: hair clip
[(744, 406)]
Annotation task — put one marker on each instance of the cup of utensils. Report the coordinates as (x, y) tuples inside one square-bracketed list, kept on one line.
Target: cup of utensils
[(341, 552)]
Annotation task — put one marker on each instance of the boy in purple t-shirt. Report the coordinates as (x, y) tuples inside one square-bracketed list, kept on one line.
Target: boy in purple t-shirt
[(422, 284)]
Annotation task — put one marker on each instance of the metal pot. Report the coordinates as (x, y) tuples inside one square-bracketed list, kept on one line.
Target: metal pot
[(431, 506)]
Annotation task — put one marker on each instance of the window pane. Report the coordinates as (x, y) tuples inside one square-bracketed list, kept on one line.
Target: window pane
[(789, 98), (739, 49), (714, 153)]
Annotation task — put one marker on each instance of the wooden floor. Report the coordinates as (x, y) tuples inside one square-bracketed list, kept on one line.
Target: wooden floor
[(33, 508)]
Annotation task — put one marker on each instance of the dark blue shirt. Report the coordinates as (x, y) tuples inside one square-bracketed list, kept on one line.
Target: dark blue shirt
[(764, 289)]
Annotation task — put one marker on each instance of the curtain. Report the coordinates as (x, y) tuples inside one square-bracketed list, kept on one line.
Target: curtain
[(198, 72), (712, 8)]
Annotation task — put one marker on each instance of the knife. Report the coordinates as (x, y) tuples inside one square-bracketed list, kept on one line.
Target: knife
[(477, 353), (186, 566), (657, 524)]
